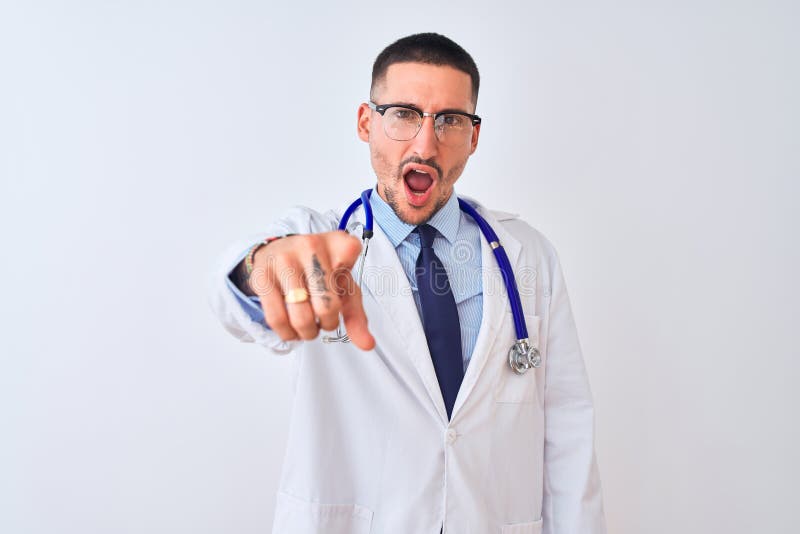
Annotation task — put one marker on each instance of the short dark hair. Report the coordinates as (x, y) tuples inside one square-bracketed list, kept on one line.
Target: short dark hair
[(430, 48)]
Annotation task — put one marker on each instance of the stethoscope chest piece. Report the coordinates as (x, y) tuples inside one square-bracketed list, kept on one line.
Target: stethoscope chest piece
[(523, 356)]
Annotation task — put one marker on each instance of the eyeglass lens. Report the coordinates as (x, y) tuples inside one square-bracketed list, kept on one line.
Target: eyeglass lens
[(402, 124)]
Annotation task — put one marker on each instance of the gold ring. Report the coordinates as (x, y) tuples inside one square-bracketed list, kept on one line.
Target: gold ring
[(298, 294)]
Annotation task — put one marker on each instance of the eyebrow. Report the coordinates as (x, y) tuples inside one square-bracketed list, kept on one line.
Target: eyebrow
[(414, 106)]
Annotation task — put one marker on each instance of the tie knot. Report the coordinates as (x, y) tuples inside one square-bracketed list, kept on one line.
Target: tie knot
[(427, 234)]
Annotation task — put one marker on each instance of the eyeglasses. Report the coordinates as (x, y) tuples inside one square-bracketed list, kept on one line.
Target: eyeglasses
[(402, 123)]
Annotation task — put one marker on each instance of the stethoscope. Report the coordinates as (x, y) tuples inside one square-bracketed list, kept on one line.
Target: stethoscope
[(522, 355)]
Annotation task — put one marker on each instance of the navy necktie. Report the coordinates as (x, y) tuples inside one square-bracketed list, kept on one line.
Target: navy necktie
[(439, 318)]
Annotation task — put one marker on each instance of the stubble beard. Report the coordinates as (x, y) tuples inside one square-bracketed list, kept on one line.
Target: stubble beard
[(397, 178), (395, 205)]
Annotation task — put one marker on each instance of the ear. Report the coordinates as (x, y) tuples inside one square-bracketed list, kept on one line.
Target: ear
[(476, 131), (364, 123)]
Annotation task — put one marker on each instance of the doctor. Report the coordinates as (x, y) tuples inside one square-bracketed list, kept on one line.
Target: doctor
[(419, 425)]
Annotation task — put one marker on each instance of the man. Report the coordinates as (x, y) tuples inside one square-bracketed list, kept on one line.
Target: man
[(419, 425)]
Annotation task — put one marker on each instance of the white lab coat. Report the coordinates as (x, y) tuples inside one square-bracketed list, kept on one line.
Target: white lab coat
[(370, 447)]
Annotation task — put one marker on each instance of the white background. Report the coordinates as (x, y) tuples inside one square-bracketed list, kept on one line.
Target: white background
[(655, 143)]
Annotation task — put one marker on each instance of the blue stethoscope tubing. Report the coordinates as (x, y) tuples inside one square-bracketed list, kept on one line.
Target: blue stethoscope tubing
[(522, 355)]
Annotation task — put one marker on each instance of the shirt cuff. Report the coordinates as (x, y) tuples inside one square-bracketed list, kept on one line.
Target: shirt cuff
[(251, 305)]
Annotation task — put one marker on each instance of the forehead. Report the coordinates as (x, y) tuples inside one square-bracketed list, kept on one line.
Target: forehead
[(430, 87)]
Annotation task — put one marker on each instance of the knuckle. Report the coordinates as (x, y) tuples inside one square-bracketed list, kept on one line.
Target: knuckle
[(329, 323), (355, 243), (283, 329), (290, 277), (351, 245), (310, 241), (328, 315), (282, 268), (282, 259), (287, 335), (305, 326), (276, 321), (309, 331)]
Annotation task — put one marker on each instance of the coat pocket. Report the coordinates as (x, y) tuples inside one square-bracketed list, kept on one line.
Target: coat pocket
[(511, 387), (298, 516), (534, 527)]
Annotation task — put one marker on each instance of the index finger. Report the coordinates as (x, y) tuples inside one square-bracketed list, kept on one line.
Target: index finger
[(352, 309)]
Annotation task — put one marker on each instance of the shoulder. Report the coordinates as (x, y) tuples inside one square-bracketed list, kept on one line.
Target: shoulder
[(305, 220), (531, 239)]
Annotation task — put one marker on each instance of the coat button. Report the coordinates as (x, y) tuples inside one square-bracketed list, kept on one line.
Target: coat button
[(452, 436)]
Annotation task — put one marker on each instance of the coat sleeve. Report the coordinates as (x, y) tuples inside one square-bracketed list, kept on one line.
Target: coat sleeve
[(230, 312), (573, 502)]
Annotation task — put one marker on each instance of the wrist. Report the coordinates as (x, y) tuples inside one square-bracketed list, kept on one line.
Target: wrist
[(249, 259)]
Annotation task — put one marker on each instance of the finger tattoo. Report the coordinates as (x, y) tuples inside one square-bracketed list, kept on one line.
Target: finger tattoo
[(317, 280)]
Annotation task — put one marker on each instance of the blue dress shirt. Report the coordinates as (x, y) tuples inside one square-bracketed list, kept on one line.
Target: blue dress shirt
[(458, 245)]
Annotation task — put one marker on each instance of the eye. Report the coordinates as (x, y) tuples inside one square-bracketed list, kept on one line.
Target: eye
[(403, 114), (451, 120)]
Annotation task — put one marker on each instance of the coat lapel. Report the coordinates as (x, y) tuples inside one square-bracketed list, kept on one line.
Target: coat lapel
[(497, 317), (385, 281)]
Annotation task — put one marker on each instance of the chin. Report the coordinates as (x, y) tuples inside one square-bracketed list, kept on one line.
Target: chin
[(408, 212), (416, 217)]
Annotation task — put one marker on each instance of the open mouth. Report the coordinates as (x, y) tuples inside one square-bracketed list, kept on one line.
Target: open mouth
[(418, 181), (418, 184)]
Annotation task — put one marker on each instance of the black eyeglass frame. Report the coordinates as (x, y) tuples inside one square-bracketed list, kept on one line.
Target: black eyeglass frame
[(383, 107)]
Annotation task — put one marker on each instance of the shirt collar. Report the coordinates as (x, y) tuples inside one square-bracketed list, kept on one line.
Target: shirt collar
[(445, 220)]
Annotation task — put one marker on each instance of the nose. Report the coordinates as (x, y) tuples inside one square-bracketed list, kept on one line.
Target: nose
[(425, 144)]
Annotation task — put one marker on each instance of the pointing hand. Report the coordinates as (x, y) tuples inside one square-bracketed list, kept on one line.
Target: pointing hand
[(304, 283)]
